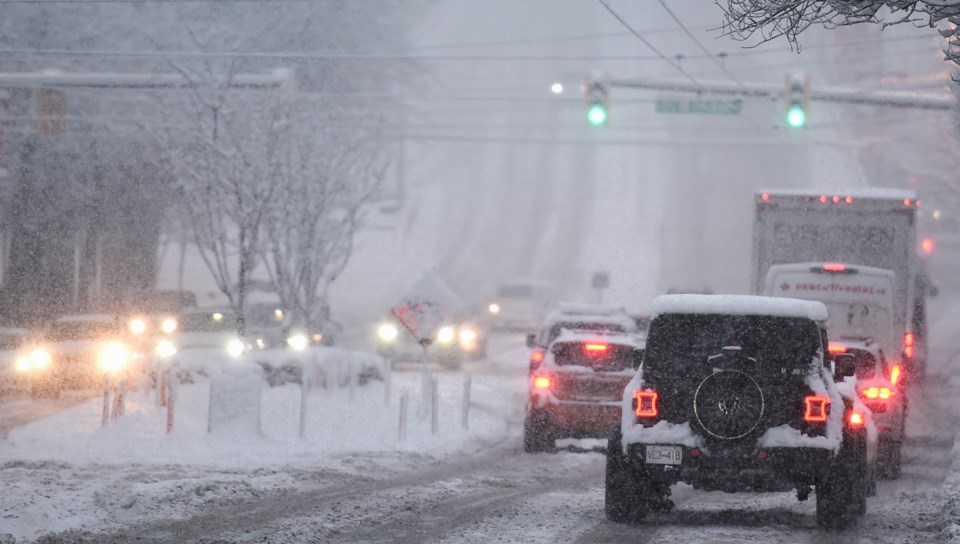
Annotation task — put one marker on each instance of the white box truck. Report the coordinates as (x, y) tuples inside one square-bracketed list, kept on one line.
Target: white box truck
[(868, 227)]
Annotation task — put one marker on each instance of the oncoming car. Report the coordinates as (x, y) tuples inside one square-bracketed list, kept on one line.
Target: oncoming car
[(78, 351), (450, 344), (735, 393), (576, 391)]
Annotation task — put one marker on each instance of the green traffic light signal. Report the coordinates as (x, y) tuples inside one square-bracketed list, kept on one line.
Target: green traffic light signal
[(597, 115), (796, 116)]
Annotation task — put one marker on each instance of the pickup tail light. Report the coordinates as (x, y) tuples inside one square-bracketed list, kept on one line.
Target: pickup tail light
[(645, 403), (816, 408), (895, 373), (908, 341), (855, 420)]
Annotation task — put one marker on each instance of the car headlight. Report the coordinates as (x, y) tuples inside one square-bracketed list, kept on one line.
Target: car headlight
[(236, 347), (468, 336), (114, 357), (40, 358), (445, 335), (138, 326), (388, 332), (23, 364), (298, 342), (168, 325), (494, 308), (166, 349)]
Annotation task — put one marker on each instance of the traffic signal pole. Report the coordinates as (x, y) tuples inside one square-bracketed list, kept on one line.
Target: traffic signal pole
[(842, 95)]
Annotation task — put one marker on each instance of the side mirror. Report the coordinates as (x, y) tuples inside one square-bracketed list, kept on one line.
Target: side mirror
[(638, 357), (531, 340), (845, 365)]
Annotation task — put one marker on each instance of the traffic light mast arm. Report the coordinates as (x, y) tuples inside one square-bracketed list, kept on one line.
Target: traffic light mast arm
[(821, 94)]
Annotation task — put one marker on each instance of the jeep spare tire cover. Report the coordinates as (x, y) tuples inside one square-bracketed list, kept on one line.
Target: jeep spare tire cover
[(728, 404)]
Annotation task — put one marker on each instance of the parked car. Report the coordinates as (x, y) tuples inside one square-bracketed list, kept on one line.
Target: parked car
[(576, 391), (735, 393)]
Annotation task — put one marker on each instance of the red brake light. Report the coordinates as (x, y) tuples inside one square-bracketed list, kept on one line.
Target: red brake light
[(856, 420), (542, 382), (645, 403), (823, 199), (895, 374), (536, 356), (834, 267), (765, 197), (816, 408), (927, 246), (836, 200), (834, 348), (908, 341), (849, 200), (596, 348), (882, 393), (906, 201)]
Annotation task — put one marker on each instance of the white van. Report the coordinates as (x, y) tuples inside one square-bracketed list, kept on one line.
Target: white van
[(859, 298)]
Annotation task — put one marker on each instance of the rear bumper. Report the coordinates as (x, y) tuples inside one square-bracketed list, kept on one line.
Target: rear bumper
[(773, 469), (580, 419)]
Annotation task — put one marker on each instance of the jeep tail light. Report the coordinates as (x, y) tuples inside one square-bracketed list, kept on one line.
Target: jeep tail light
[(834, 348), (595, 348), (816, 408), (895, 373), (645, 403), (882, 393), (542, 382), (855, 420)]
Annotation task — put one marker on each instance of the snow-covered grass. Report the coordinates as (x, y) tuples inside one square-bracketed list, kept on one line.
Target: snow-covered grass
[(67, 471)]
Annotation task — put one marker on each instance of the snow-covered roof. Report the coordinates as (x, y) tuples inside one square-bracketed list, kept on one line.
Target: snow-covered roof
[(578, 308), (84, 318), (739, 305), (859, 192), (619, 318)]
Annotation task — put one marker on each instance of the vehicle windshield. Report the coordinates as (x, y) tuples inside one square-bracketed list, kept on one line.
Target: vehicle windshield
[(580, 326), (206, 322), (11, 341), (81, 330), (858, 320), (599, 355)]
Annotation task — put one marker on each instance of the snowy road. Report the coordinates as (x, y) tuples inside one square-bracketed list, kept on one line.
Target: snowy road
[(484, 490), (19, 410)]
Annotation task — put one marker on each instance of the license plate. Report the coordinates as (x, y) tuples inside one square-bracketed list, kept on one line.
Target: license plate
[(663, 455)]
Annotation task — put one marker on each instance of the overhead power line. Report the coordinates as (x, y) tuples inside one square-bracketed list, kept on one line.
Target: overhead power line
[(645, 41)]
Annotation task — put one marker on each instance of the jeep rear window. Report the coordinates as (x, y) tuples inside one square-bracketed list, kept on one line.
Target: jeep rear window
[(611, 358), (678, 340)]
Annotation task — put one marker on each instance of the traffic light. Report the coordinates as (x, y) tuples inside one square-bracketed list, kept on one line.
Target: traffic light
[(597, 103), (797, 101)]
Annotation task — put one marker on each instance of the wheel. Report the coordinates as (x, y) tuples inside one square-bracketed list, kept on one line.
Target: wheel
[(537, 436), (889, 460), (629, 493), (622, 503), (842, 490)]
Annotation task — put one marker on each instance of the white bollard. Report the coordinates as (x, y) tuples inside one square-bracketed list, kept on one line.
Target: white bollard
[(465, 407), (105, 418), (387, 375), (170, 399), (402, 429), (352, 378), (304, 386), (434, 407)]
